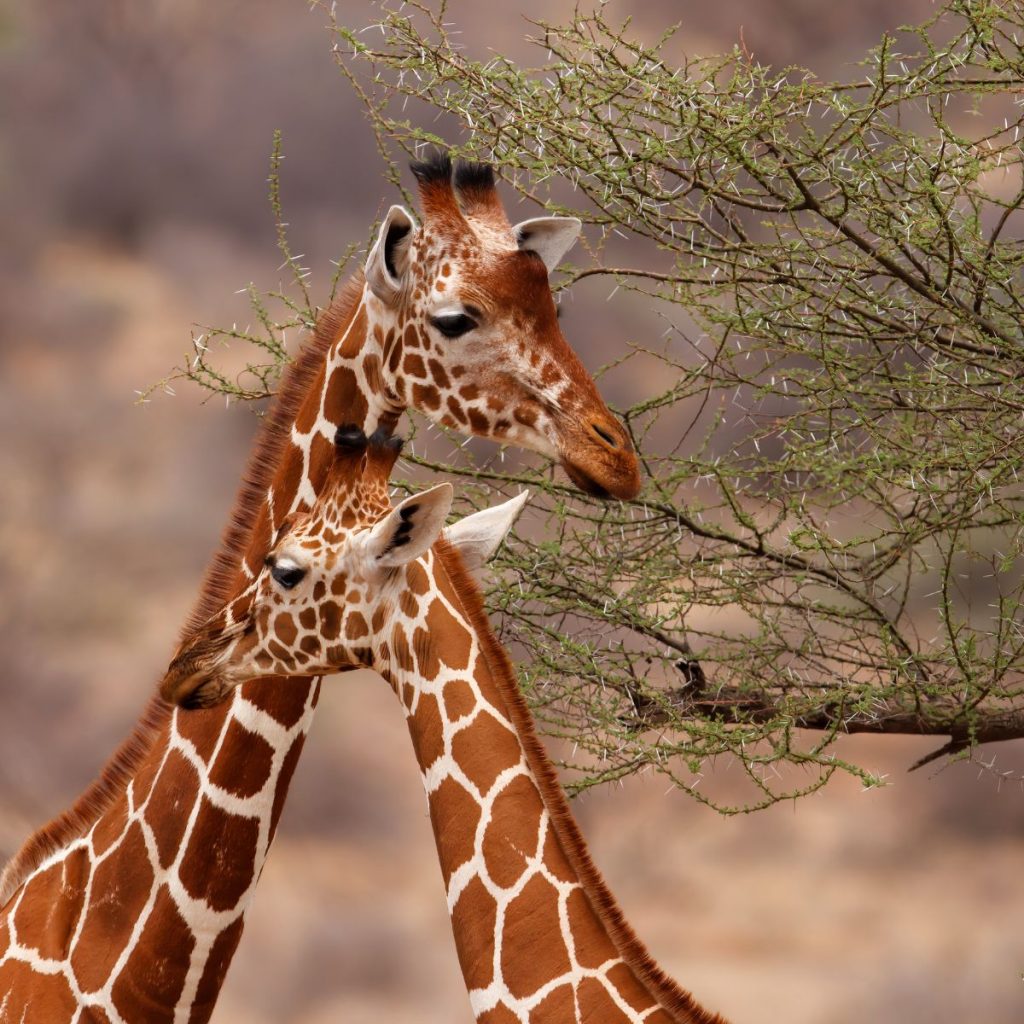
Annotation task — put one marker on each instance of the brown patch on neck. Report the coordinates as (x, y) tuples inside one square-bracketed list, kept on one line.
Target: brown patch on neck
[(676, 1001), (220, 584)]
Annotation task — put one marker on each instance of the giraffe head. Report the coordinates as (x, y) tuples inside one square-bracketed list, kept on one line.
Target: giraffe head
[(470, 330), (330, 578)]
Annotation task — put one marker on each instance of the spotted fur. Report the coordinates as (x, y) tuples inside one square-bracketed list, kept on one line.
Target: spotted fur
[(538, 933)]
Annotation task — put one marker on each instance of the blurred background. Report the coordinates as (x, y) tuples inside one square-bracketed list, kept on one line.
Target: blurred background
[(134, 146)]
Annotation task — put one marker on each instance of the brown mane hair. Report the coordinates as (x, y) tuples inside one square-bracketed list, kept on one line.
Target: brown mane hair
[(216, 589), (682, 1007)]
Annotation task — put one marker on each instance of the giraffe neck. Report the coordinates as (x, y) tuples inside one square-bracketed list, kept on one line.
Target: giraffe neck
[(137, 918), (132, 903), (538, 934)]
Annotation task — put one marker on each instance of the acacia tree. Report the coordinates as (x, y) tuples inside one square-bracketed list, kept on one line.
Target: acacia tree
[(830, 537)]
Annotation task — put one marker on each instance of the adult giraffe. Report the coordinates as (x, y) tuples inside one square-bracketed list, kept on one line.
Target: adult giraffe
[(539, 936), (129, 906)]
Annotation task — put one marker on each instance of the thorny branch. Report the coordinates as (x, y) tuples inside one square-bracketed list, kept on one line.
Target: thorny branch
[(831, 538)]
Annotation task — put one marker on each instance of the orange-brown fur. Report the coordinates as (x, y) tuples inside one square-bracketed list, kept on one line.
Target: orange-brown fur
[(679, 1003)]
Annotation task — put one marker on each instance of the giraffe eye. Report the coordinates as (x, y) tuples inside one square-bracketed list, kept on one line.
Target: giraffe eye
[(453, 325), (286, 573)]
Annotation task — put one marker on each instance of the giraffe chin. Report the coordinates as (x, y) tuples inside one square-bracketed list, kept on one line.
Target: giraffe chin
[(620, 486), (193, 690), (206, 695)]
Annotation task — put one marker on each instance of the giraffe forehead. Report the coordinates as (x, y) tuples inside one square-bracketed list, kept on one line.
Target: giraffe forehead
[(347, 502), (468, 251), (326, 531)]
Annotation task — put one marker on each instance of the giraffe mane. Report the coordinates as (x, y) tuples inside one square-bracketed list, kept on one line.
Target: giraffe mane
[(679, 1003), (222, 575), (216, 589)]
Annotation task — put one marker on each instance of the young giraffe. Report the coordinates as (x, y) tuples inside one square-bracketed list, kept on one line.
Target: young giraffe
[(539, 937), (129, 906)]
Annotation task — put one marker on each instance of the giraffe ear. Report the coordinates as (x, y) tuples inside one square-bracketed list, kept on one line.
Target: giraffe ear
[(478, 536), (410, 528), (549, 237), (388, 263)]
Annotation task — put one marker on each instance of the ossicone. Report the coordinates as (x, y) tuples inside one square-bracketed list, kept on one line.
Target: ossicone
[(349, 437)]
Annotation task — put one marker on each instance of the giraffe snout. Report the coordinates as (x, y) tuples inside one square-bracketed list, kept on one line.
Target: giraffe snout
[(598, 456), (610, 433), (195, 676)]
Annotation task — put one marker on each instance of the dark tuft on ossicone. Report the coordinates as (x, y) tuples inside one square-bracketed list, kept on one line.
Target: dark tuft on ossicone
[(383, 440), (434, 169), (350, 438), (473, 177)]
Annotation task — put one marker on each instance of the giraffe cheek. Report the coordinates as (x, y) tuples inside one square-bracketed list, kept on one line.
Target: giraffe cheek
[(264, 662), (356, 626), (336, 657)]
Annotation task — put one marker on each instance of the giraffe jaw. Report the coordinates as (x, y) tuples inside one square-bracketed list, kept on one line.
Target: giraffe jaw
[(194, 686), (206, 694), (587, 484), (602, 471)]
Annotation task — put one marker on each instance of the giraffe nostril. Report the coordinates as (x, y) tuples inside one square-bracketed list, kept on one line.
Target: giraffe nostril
[(606, 435)]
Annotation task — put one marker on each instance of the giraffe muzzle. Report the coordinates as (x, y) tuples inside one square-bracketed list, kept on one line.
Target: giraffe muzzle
[(196, 676), (599, 458)]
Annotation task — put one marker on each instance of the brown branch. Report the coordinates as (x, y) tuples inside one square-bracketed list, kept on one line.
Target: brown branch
[(732, 705)]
